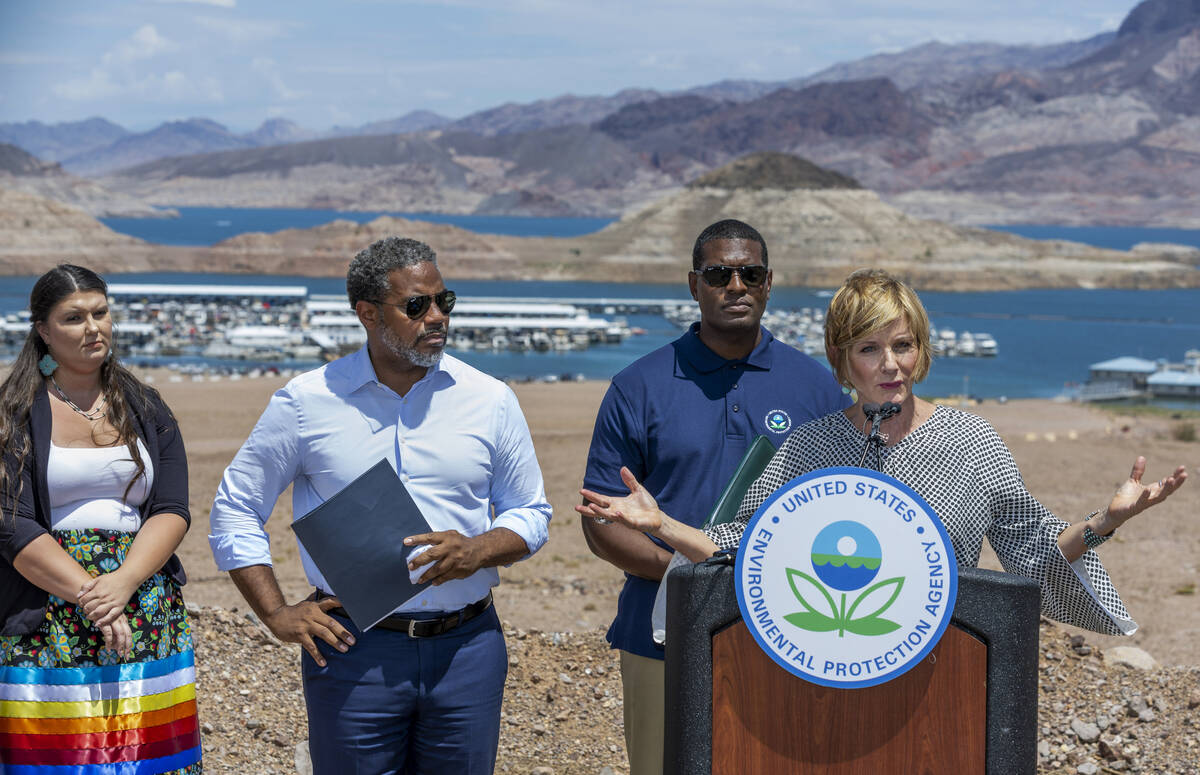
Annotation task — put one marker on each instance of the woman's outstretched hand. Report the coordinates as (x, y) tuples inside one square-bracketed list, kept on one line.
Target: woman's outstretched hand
[(1133, 497), (637, 510)]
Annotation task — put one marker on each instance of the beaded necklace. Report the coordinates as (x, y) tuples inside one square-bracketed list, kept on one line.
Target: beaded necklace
[(95, 414)]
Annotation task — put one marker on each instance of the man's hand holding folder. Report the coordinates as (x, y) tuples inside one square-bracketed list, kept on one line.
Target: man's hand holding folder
[(458, 556)]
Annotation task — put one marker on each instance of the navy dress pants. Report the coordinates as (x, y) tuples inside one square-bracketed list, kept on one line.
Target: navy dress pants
[(397, 705)]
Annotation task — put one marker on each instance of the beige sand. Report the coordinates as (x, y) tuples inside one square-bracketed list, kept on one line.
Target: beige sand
[(1072, 457)]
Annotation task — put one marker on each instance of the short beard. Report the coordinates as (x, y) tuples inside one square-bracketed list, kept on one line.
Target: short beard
[(405, 352)]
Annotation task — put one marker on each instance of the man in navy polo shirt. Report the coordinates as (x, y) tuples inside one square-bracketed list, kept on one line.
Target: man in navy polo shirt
[(680, 419)]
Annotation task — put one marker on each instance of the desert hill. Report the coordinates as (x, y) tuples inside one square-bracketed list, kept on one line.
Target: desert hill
[(21, 171), (37, 232)]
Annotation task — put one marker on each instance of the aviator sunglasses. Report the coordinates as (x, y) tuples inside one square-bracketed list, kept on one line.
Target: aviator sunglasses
[(719, 276), (416, 306)]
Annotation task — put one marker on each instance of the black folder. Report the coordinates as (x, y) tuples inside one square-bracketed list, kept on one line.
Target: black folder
[(751, 466), (356, 538)]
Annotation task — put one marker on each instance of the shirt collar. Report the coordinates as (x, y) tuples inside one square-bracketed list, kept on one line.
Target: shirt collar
[(360, 371), (705, 361)]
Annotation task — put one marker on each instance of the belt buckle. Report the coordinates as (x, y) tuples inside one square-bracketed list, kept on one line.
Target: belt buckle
[(412, 629)]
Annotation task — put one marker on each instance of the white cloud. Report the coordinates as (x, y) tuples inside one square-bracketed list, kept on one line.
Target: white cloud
[(169, 86), (217, 3), (244, 30), (97, 85), (269, 71), (20, 59), (145, 43), (125, 71)]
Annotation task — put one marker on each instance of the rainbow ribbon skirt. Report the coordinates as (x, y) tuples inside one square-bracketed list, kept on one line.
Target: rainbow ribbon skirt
[(128, 719)]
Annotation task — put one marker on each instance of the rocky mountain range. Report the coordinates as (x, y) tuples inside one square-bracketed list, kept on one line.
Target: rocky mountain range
[(1105, 130), (96, 146)]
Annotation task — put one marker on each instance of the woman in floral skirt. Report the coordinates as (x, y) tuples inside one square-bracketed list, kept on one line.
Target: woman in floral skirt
[(96, 667)]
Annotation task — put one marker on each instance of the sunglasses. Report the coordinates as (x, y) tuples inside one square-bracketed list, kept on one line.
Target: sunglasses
[(416, 306), (719, 276)]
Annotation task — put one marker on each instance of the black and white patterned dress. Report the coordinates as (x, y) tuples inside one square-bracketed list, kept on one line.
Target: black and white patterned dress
[(957, 462)]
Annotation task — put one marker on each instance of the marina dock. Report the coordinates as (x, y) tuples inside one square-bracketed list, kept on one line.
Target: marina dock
[(285, 323)]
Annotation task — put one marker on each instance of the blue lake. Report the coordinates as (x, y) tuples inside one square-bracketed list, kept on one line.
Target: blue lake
[(210, 225), (1114, 237)]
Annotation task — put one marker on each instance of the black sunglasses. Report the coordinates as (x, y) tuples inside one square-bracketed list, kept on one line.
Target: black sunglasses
[(416, 306), (719, 276)]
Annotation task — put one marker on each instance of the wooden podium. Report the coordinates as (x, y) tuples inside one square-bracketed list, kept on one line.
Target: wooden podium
[(969, 707)]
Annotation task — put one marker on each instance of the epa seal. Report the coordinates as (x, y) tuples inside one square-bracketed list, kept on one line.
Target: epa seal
[(846, 577), (777, 421)]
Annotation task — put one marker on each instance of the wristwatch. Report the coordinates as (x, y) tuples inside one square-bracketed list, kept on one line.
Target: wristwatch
[(1092, 539)]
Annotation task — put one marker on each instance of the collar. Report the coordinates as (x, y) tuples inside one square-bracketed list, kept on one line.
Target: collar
[(360, 371), (705, 361)]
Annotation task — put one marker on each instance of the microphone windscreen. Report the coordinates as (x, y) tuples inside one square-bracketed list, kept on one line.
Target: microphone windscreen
[(870, 410)]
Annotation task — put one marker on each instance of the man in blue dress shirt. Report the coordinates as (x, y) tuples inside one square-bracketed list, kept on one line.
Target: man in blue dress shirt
[(421, 691), (680, 419)]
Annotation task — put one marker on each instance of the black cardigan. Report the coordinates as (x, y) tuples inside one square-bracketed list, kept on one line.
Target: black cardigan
[(22, 604)]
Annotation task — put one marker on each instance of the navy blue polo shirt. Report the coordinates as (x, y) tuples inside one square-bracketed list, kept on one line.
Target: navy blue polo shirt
[(681, 418)]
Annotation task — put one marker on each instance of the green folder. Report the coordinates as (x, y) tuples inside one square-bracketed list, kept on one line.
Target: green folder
[(752, 465)]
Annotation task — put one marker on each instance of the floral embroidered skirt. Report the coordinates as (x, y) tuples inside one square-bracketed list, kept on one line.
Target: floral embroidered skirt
[(69, 705)]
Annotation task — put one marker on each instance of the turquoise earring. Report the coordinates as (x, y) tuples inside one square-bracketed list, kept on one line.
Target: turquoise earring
[(47, 365)]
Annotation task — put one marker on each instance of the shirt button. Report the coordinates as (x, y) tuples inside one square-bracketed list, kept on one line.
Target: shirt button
[(424, 603), (402, 441), (404, 477), (735, 407), (735, 387)]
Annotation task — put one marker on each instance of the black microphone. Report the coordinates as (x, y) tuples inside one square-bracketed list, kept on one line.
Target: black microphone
[(876, 413)]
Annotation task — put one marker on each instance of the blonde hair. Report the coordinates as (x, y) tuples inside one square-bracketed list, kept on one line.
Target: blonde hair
[(870, 300)]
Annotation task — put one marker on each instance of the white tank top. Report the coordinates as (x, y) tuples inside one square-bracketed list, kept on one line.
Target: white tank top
[(87, 488)]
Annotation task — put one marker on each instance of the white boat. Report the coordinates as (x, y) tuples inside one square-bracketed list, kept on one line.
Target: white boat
[(986, 345)]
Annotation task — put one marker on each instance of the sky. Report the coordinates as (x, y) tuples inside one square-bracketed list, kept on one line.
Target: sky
[(139, 63)]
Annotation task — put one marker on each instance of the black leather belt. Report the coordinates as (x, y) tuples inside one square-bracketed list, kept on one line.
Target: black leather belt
[(423, 628)]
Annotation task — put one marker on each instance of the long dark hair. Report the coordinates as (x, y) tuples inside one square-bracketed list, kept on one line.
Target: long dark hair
[(24, 381)]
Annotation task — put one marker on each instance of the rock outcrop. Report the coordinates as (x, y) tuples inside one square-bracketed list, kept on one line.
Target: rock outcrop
[(21, 171), (37, 232), (817, 236)]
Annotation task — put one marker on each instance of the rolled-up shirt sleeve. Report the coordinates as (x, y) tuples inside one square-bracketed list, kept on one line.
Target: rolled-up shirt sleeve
[(264, 466), (518, 493)]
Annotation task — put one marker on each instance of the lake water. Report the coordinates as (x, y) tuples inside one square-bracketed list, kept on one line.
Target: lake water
[(1047, 338), (1114, 237), (210, 225)]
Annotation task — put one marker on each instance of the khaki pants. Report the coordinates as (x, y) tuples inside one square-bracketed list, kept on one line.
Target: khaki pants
[(643, 681)]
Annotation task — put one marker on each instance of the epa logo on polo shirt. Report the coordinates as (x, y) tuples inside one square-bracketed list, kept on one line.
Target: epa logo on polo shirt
[(777, 421)]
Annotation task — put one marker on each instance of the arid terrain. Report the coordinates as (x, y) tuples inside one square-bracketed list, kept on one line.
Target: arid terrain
[(563, 704)]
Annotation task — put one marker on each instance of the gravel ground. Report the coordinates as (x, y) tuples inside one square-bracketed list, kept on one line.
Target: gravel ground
[(562, 705)]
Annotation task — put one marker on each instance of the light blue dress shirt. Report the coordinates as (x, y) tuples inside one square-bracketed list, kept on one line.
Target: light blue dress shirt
[(457, 439)]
